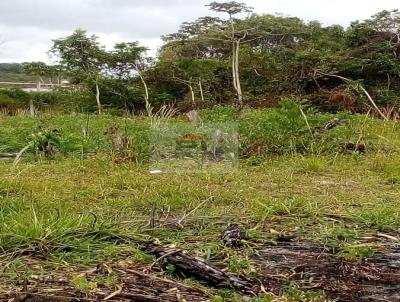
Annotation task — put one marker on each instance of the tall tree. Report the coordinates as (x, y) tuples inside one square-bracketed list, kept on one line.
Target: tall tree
[(233, 8), (83, 58), (127, 61), (217, 38)]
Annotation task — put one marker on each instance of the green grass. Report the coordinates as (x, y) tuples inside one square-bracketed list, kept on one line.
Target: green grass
[(71, 210)]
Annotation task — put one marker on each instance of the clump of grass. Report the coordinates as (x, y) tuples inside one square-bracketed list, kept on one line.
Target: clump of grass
[(336, 233), (25, 229), (84, 285), (263, 298), (227, 295), (240, 265), (293, 293), (291, 129), (56, 234), (290, 206), (382, 217), (311, 164), (394, 180)]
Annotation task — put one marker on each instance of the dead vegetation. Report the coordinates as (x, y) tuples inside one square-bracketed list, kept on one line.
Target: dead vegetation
[(280, 265), (119, 145), (312, 267), (122, 282)]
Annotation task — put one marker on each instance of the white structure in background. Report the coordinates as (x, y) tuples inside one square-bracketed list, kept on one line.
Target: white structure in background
[(31, 86)]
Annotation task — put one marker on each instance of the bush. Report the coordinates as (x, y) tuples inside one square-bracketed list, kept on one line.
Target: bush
[(17, 94), (8, 105), (65, 100), (68, 100), (387, 97), (285, 130)]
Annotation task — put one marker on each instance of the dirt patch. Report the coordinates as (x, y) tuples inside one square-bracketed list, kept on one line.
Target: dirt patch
[(304, 265), (129, 283), (311, 267)]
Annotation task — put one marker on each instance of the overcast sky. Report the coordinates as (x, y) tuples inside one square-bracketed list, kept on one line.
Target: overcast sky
[(28, 26)]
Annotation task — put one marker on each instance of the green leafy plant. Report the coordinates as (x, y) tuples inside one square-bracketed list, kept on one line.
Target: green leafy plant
[(46, 142), (295, 294), (353, 253), (83, 284)]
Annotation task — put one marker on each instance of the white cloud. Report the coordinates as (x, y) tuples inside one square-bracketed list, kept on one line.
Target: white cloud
[(328, 11), (28, 26)]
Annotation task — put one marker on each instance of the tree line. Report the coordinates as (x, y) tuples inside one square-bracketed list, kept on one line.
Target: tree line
[(242, 58)]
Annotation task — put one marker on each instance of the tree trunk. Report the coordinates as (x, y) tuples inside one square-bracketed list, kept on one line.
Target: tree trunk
[(234, 66), (98, 98), (192, 93), (31, 108), (31, 105), (201, 91), (146, 94), (233, 52), (235, 63), (238, 85)]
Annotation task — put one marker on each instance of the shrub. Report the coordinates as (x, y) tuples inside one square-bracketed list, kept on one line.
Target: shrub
[(279, 131), (8, 105), (68, 100), (16, 94)]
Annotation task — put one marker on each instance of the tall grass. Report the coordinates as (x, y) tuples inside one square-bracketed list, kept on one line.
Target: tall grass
[(281, 131)]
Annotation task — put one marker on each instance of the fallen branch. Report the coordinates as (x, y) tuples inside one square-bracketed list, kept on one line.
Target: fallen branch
[(198, 268), (116, 293), (382, 235)]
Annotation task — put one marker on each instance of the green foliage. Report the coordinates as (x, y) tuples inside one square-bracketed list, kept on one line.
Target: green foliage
[(7, 103), (284, 53), (228, 295), (220, 114), (11, 72), (353, 253), (16, 94), (394, 180), (287, 131), (265, 132), (84, 285), (79, 53), (12, 100), (240, 265), (262, 298), (38, 69), (279, 56), (46, 142), (384, 218), (294, 294)]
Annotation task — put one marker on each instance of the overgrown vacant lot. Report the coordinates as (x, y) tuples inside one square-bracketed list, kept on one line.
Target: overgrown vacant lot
[(323, 222)]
